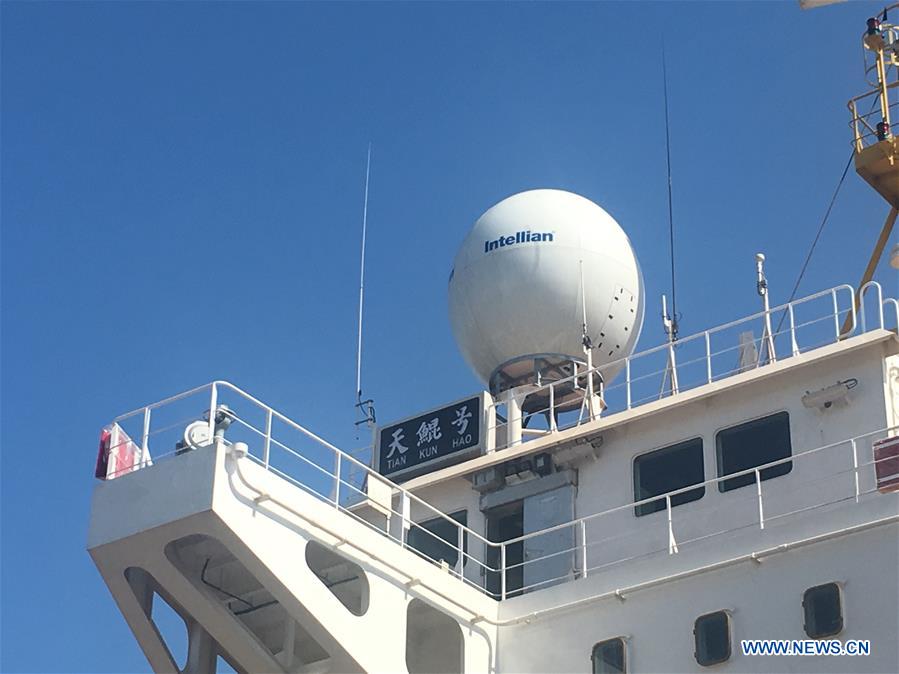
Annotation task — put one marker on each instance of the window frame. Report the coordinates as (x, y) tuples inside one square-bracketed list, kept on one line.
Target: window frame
[(805, 615), (726, 483), (598, 644), (652, 507), (730, 638)]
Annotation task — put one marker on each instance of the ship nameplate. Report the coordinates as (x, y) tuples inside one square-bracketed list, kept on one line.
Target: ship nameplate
[(432, 439)]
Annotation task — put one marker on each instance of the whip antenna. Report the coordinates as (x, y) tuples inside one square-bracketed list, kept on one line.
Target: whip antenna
[(670, 322), (585, 338), (367, 407)]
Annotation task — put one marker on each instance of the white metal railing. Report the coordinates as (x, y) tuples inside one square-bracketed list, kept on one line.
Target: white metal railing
[(850, 480), (803, 325), (810, 322), (300, 456)]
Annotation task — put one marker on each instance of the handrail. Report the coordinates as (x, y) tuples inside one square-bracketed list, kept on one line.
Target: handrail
[(626, 363), (343, 455), (706, 483), (872, 92), (162, 403), (855, 117), (621, 593), (392, 511), (681, 365)]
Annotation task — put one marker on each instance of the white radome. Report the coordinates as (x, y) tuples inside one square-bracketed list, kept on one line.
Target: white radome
[(515, 289)]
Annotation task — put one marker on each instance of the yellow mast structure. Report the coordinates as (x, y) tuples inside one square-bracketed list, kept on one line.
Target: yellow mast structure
[(876, 148)]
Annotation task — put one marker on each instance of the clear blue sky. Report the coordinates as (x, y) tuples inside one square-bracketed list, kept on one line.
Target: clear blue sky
[(181, 201)]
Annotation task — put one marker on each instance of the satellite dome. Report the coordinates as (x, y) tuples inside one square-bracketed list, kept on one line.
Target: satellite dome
[(515, 293)]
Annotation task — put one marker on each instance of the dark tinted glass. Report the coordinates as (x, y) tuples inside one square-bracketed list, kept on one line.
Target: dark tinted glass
[(428, 538), (666, 470), (711, 634), (503, 524), (823, 610), (608, 657), (752, 444)]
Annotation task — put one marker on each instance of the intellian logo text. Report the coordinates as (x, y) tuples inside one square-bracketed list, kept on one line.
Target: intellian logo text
[(520, 237)]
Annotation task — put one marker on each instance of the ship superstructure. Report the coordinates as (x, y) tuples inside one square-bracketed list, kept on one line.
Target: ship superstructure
[(738, 493), (595, 508)]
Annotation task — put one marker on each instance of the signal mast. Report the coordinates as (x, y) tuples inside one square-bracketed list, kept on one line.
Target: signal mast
[(876, 147)]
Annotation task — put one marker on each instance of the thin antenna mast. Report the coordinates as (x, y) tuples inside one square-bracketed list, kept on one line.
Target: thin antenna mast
[(593, 403), (671, 365), (585, 338), (671, 324), (366, 406)]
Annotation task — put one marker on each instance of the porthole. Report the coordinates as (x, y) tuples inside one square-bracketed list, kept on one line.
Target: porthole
[(822, 607), (608, 657), (711, 636)]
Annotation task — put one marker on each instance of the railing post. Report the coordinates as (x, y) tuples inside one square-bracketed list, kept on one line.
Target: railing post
[(513, 419), (213, 404), (267, 442), (768, 337), (553, 427), (672, 543), (858, 136), (855, 469), (460, 542), (627, 379), (708, 357), (502, 570), (862, 321), (405, 515), (145, 438), (590, 389), (758, 488), (836, 313), (672, 363), (337, 463), (863, 291), (583, 549), (794, 345)]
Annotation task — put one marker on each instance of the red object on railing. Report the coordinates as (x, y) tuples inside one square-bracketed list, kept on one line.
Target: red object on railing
[(103, 454), (886, 464), (117, 453)]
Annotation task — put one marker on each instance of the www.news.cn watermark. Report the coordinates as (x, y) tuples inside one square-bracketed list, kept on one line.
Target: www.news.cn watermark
[(805, 647)]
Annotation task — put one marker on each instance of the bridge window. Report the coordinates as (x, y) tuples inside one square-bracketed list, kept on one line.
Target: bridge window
[(752, 444), (711, 636), (668, 469), (823, 609), (438, 539), (608, 657)]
